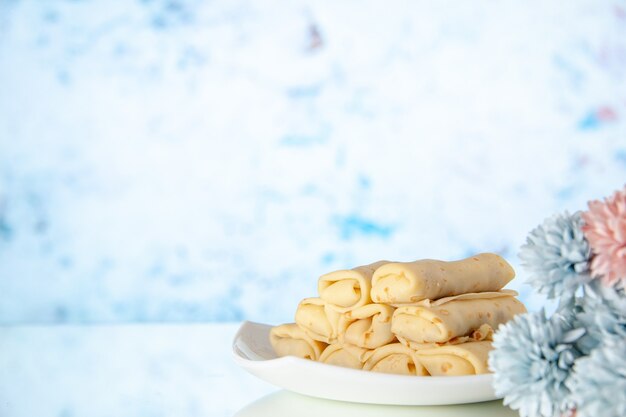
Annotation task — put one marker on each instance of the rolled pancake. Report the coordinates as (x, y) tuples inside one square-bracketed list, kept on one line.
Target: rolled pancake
[(318, 320), (291, 340), (484, 332), (348, 288), (394, 358), (408, 282), (464, 359), (344, 355), (368, 326), (445, 319)]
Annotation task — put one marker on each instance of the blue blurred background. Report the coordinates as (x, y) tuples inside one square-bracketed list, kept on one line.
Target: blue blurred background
[(207, 161)]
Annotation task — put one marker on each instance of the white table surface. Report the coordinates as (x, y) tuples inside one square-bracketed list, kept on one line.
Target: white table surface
[(157, 370)]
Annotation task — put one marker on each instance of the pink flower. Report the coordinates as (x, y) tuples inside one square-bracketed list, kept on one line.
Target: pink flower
[(605, 229)]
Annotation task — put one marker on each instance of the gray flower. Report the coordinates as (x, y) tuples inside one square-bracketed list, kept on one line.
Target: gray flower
[(531, 361), (598, 383), (557, 256)]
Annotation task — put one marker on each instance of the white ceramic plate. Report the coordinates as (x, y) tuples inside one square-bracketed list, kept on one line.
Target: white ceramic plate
[(253, 352)]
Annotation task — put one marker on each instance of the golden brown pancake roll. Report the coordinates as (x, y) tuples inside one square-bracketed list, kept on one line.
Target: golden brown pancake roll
[(291, 340), (452, 360), (394, 358), (442, 320), (348, 288), (344, 355), (318, 320), (368, 326), (484, 332), (409, 282)]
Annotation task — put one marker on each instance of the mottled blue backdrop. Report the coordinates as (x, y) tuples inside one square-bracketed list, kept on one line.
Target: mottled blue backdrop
[(191, 161)]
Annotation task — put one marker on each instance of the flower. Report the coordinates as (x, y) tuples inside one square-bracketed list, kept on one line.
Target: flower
[(557, 255), (605, 228), (531, 360), (598, 382), (603, 315)]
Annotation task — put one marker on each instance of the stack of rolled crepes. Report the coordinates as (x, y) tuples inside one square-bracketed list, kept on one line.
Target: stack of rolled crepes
[(426, 317)]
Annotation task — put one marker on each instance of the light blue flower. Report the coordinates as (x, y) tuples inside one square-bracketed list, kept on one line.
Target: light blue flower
[(557, 255), (598, 383), (603, 315), (531, 361)]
